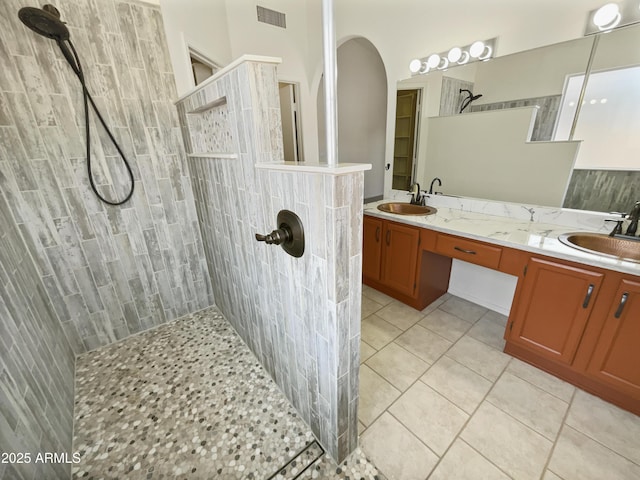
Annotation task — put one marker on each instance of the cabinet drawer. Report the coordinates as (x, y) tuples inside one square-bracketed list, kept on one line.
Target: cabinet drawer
[(468, 250)]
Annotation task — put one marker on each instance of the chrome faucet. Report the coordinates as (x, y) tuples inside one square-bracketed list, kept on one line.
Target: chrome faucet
[(634, 216), (434, 181)]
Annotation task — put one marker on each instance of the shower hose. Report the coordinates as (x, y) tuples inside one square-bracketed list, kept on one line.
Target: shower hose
[(87, 99)]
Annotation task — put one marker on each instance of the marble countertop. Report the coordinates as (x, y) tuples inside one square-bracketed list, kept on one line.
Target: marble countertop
[(531, 236)]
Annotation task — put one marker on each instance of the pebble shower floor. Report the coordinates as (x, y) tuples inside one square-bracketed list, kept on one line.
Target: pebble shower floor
[(189, 400)]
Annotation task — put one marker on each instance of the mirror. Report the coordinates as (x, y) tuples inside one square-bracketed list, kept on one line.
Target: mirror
[(511, 144)]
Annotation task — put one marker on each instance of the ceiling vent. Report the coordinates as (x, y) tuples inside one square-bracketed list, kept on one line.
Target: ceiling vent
[(272, 17)]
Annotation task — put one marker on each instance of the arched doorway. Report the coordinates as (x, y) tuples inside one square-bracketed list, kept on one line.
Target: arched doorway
[(362, 112)]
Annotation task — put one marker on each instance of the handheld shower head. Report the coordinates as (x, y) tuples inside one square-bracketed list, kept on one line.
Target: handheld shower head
[(44, 21)]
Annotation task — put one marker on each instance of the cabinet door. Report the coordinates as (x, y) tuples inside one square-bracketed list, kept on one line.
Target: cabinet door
[(371, 248), (400, 257), (616, 358), (554, 307)]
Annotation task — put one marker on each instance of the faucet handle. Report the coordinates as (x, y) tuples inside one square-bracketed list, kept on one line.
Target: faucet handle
[(618, 228)]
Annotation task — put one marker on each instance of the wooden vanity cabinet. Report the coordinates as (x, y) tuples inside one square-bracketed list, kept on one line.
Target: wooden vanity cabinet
[(371, 247), (400, 257), (577, 322), (581, 324), (395, 263), (468, 250), (390, 254), (553, 308), (615, 360)]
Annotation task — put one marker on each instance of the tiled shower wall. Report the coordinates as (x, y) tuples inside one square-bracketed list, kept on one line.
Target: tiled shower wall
[(300, 316), (603, 190), (108, 271), (36, 364)]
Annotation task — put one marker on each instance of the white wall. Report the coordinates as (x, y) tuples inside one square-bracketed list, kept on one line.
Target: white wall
[(473, 153), (299, 46), (362, 111), (535, 73), (201, 24)]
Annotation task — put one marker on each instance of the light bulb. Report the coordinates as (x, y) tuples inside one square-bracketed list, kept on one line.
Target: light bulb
[(454, 54), (433, 61), (608, 16), (592, 102), (604, 100), (415, 65), (476, 49)]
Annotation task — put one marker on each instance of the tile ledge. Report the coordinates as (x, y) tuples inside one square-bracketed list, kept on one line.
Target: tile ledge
[(212, 155), (323, 168), (223, 71)]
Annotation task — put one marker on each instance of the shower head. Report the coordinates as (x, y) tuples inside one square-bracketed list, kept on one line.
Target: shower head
[(471, 97), (44, 21)]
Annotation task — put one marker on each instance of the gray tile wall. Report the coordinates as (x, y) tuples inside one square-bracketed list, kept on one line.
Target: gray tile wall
[(108, 271), (300, 316), (603, 190), (36, 363), (450, 96), (545, 123)]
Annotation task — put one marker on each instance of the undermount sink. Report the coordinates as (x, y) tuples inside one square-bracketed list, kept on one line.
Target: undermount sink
[(600, 243), (406, 209)]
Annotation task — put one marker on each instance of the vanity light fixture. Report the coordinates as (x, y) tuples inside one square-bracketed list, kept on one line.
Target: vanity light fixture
[(477, 51), (613, 15)]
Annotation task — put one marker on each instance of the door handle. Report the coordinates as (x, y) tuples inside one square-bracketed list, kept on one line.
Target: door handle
[(587, 298), (388, 237), (470, 252), (377, 234), (623, 301)]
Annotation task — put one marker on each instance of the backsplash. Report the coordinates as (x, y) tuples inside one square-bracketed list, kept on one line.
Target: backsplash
[(592, 221), (108, 271)]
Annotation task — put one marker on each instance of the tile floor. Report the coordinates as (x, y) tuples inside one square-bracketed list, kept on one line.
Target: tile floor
[(189, 400), (439, 400)]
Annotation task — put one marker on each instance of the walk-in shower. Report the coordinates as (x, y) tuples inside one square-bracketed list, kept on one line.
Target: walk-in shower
[(46, 22)]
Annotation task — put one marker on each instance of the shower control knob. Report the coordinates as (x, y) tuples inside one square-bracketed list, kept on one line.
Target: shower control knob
[(289, 234), (276, 237)]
